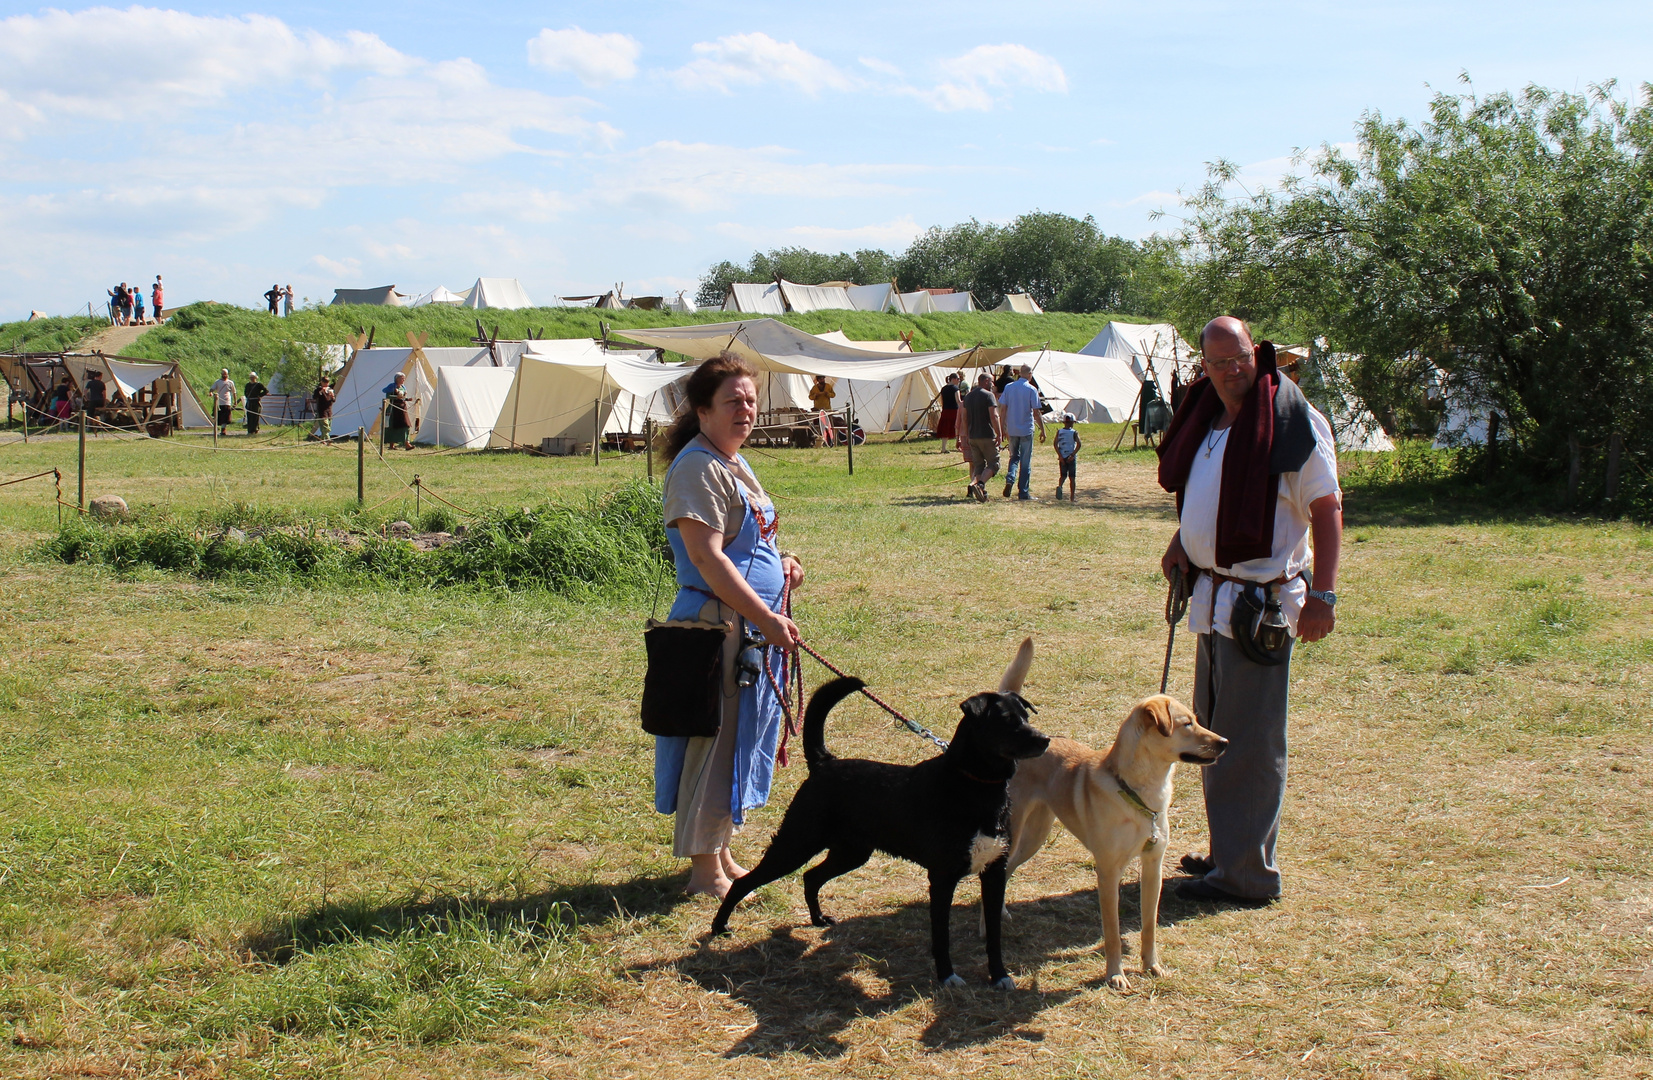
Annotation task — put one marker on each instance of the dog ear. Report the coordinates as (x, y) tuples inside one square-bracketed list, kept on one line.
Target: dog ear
[(974, 705), (1016, 674), (1157, 710)]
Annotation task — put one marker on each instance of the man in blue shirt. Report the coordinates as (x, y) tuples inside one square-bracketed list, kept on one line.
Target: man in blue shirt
[(1019, 405)]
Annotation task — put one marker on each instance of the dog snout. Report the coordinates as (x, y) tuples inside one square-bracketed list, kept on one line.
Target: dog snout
[(1036, 745)]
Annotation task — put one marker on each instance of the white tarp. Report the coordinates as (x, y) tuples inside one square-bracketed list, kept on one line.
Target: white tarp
[(890, 404), (914, 303), (1021, 304), (132, 376), (497, 292), (758, 299), (872, 297), (956, 301), (438, 295), (361, 395), (465, 405), (840, 338), (1095, 389), (564, 393), (1136, 343), (774, 346), (804, 298)]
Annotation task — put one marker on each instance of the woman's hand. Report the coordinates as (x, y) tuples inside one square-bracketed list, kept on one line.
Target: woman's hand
[(778, 630), (793, 570)]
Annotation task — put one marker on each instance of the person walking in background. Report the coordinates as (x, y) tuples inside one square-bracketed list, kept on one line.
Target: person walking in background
[(273, 298), (1020, 404), (1254, 469), (287, 299), (325, 396), (253, 397), (1067, 457), (155, 298), (982, 425), (223, 396)]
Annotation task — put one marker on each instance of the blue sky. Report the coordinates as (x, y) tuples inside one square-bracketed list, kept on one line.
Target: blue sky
[(576, 146)]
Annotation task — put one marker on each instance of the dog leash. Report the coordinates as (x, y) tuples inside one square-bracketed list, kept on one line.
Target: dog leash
[(912, 725), (1176, 606)]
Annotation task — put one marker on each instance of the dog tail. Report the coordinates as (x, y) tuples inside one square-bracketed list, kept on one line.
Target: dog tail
[(820, 703)]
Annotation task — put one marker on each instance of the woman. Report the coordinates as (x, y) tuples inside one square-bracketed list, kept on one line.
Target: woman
[(721, 527)]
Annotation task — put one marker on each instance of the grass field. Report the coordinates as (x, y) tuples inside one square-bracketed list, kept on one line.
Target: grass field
[(258, 830)]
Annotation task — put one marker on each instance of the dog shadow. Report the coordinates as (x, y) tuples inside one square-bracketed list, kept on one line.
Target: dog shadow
[(553, 912), (805, 986)]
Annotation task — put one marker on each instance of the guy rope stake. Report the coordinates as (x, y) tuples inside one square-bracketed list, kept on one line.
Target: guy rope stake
[(1176, 606)]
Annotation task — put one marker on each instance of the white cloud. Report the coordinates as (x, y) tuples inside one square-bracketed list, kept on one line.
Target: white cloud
[(890, 234), (143, 62), (980, 78), (343, 268), (701, 177), (594, 59), (755, 59), (522, 203)]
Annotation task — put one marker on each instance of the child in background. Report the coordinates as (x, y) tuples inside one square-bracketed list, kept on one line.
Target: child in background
[(1067, 456)]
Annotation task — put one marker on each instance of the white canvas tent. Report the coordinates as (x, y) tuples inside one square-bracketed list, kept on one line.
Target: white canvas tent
[(130, 376), (755, 299), (890, 404), (1136, 343), (438, 295), (573, 392), (955, 301), (1095, 389), (914, 303), (682, 303), (1466, 411), (1021, 304), (493, 292), (383, 296), (465, 405), (805, 298), (872, 297)]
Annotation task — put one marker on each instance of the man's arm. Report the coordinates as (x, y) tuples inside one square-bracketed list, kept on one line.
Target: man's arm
[(997, 416), (1038, 417), (1326, 526)]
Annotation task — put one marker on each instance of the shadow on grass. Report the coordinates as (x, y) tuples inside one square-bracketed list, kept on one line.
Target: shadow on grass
[(805, 986), (554, 911)]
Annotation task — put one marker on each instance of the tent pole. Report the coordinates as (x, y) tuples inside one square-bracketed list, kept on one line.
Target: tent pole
[(648, 445), (849, 432), (919, 417), (361, 467)]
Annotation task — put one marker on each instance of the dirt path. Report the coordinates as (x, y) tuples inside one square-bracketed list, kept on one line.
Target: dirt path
[(112, 340)]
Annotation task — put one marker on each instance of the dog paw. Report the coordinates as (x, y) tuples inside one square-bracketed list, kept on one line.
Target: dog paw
[(952, 982), (822, 920), (1006, 983), (1118, 982), (1158, 971)]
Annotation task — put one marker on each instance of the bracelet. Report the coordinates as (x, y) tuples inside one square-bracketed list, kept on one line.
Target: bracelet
[(793, 555)]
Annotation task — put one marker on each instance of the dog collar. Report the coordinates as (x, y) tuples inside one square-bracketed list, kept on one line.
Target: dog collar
[(1129, 795), (979, 780)]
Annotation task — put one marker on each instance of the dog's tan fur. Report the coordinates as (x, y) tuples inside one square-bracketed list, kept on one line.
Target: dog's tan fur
[(1072, 783)]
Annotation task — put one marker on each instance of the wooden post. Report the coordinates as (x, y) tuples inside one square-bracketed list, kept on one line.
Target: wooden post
[(849, 435), (26, 430), (416, 503), (361, 467), (648, 445), (82, 492), (596, 431), (1575, 464), (1615, 451)]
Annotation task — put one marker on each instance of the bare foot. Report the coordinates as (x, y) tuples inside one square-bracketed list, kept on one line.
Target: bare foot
[(731, 868), (706, 876)]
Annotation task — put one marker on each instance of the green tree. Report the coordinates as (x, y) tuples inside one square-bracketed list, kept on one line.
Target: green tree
[(1505, 242)]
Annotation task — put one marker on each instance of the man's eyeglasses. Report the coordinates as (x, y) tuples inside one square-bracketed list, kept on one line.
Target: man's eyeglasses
[(1226, 362)]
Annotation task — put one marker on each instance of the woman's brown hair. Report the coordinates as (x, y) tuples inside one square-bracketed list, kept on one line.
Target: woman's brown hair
[(698, 392)]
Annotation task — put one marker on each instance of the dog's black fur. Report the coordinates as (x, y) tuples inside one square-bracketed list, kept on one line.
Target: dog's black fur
[(931, 813)]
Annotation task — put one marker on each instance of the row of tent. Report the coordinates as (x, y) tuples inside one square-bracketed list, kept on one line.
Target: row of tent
[(503, 293), (780, 296)]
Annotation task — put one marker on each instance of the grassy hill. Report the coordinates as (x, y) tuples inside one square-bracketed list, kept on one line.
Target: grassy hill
[(206, 337)]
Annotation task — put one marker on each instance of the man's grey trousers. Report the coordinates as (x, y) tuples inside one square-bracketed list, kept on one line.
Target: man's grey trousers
[(1245, 703)]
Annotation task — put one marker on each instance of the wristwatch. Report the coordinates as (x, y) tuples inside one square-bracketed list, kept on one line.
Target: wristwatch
[(1328, 597)]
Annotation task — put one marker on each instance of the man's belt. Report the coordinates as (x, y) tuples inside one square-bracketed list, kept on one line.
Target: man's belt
[(1241, 582)]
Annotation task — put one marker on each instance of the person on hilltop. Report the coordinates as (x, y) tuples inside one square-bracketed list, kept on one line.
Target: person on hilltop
[(156, 296), (1254, 469), (273, 298), (985, 435), (287, 300), (137, 305), (722, 530), (124, 298), (223, 396), (252, 396), (1020, 404)]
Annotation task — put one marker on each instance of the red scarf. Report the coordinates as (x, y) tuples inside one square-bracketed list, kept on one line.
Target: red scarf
[(1252, 461)]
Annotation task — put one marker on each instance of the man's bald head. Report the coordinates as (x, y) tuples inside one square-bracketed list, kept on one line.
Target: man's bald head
[(1226, 334), (984, 379)]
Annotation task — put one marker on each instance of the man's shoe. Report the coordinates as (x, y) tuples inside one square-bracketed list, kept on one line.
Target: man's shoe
[(1196, 865), (1007, 489), (1026, 498), (1200, 890), (1058, 494), (981, 492)]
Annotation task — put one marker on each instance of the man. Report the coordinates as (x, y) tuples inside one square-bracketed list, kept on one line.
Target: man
[(1254, 469), (97, 393), (325, 396), (253, 395), (947, 429), (273, 297), (223, 393), (1020, 405), (982, 426)]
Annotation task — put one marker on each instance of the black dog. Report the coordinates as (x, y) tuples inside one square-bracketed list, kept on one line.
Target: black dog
[(948, 814)]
